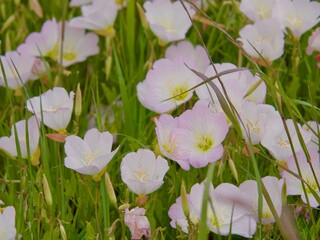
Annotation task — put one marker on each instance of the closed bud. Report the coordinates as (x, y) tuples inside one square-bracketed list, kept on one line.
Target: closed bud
[(78, 107), (63, 232), (7, 23), (184, 200), (46, 188), (110, 190), (143, 19), (233, 169)]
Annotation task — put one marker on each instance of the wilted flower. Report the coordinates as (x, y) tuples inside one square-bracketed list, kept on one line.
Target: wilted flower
[(38, 69), (294, 184), (297, 15), (274, 189), (257, 9), (166, 86), (17, 69), (200, 135), (7, 223), (77, 44), (227, 205), (142, 171), (265, 38), (172, 22), (90, 155), (276, 139), (55, 106), (138, 223), (98, 16), (23, 128), (194, 57)]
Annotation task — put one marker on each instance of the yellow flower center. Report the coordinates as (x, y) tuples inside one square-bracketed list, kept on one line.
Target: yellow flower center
[(69, 56), (89, 157), (179, 92), (204, 143), (295, 21), (283, 143), (141, 175), (53, 53)]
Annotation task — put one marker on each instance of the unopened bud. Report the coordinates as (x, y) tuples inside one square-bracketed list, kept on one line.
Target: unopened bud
[(63, 232), (124, 206), (233, 169), (78, 107), (184, 200), (143, 19), (110, 190), (46, 188)]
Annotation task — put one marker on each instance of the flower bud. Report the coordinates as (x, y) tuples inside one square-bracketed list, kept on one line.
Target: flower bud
[(46, 188), (78, 107), (110, 190)]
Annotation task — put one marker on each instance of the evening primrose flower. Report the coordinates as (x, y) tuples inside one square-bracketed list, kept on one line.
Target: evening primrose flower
[(172, 22), (274, 189), (142, 172), (98, 16), (200, 135), (257, 9), (297, 15), (166, 86), (137, 222), (23, 128), (314, 128), (294, 185), (194, 57), (314, 42), (17, 69), (7, 223), (90, 155), (77, 44), (167, 141), (265, 38), (276, 139), (55, 106), (227, 207)]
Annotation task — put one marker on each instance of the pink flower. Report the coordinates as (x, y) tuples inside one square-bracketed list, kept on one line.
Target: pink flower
[(166, 127), (77, 3), (314, 42), (166, 86), (294, 185), (55, 106), (227, 205), (17, 69), (274, 189), (99, 16), (90, 155), (194, 57), (265, 38), (171, 23), (142, 172), (7, 223), (314, 128), (257, 9), (297, 15), (200, 135), (23, 128), (137, 222), (77, 45)]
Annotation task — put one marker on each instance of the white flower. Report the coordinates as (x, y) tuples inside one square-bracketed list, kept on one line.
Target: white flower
[(55, 106), (7, 223), (264, 37), (142, 171), (9, 143), (168, 20), (257, 9), (90, 155), (297, 15)]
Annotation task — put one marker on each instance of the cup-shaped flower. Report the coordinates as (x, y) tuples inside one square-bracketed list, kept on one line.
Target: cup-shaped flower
[(90, 155), (7, 223), (172, 22), (257, 9), (227, 207), (77, 44), (137, 222), (277, 141), (263, 39), (55, 106), (98, 16), (178, 218), (167, 140), (17, 69), (254, 118), (297, 15), (311, 176), (194, 57), (28, 138), (200, 135), (274, 189), (142, 172), (166, 86)]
